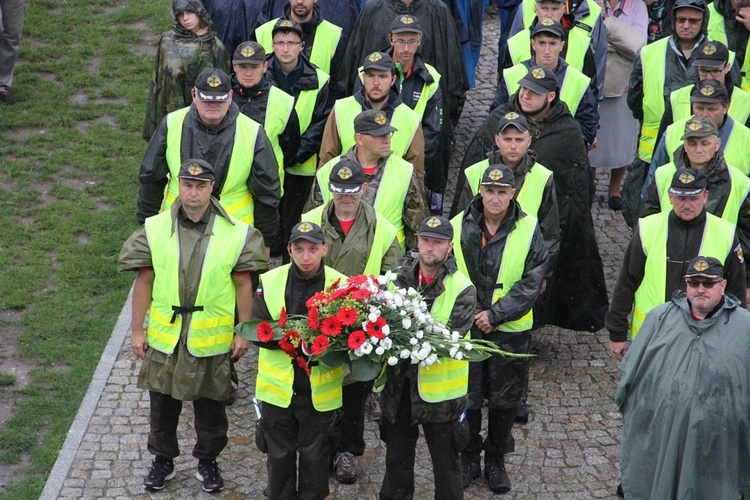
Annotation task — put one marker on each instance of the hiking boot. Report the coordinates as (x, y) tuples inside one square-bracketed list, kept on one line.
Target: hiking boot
[(346, 468), (522, 414), (162, 470), (6, 97), (470, 468), (494, 471), (373, 406), (209, 474)]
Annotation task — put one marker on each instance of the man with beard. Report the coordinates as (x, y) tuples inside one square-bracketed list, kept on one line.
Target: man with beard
[(576, 296)]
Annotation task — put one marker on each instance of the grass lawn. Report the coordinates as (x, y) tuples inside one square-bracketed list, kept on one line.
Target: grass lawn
[(70, 150)]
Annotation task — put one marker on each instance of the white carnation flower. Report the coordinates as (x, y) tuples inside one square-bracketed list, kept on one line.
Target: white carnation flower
[(406, 322), (379, 350), (399, 300), (372, 316), (413, 341), (453, 350), (387, 343), (386, 330), (459, 355), (382, 280), (393, 360), (468, 346), (454, 336), (431, 359), (405, 354), (420, 334), (411, 292), (364, 349)]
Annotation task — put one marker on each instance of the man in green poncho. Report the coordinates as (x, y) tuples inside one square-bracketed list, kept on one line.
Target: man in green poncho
[(683, 395)]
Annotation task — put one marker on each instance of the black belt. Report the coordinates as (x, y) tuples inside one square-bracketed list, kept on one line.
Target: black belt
[(183, 310)]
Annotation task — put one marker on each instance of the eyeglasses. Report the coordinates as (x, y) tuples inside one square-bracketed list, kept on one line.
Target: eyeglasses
[(706, 284), (286, 44), (693, 21), (401, 43), (711, 71)]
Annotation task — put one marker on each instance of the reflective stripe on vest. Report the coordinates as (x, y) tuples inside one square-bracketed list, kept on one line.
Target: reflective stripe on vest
[(428, 90), (327, 36), (512, 264), (573, 86), (389, 201), (305, 106), (448, 378), (278, 111), (718, 236), (738, 190), (234, 196), (273, 383), (530, 194), (405, 119), (384, 235), (736, 149), (653, 61), (211, 330)]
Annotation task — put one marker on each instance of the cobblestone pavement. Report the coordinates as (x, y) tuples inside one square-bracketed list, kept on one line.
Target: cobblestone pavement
[(569, 449)]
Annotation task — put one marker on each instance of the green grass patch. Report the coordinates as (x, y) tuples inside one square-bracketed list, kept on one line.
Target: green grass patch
[(70, 151)]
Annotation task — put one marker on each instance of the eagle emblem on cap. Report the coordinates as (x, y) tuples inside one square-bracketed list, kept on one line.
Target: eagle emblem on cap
[(380, 119), (709, 49), (345, 173), (305, 227), (511, 116), (707, 90), (538, 73), (285, 23), (547, 22), (433, 222), (247, 51), (375, 56), (701, 265), (214, 81), (496, 174), (687, 178), (407, 19), (694, 126), (195, 169)]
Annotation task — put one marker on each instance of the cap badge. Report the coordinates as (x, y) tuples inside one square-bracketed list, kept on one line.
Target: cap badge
[(433, 222), (511, 116), (285, 23), (547, 22), (496, 174), (305, 227), (214, 81), (345, 173), (687, 178), (538, 73), (407, 19), (694, 126), (707, 90), (195, 169), (701, 266), (709, 49), (375, 56), (380, 119), (247, 51)]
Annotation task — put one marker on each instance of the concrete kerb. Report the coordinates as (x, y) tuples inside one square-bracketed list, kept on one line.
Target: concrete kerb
[(81, 422)]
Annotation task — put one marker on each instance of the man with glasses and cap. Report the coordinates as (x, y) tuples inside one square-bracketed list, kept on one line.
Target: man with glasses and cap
[(246, 171), (729, 24), (500, 248), (653, 265), (359, 241), (190, 338), (433, 397), (298, 407), (401, 199), (683, 394)]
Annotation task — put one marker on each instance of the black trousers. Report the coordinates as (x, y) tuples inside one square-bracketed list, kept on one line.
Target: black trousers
[(401, 436), (499, 440), (352, 426), (302, 429), (211, 426), (296, 190)]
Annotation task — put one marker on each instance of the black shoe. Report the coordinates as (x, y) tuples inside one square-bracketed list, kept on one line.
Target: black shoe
[(615, 202), (346, 468), (7, 98), (522, 414), (210, 475), (494, 471), (620, 493), (232, 395), (162, 470), (470, 467)]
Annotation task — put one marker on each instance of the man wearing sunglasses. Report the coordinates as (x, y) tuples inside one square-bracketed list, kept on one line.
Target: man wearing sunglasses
[(683, 394), (653, 266)]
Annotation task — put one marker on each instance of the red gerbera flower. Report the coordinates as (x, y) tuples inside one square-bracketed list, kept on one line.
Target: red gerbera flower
[(347, 316), (303, 364), (361, 294), (282, 317), (330, 326), (356, 339), (312, 318), (334, 285), (357, 280), (317, 298), (320, 344), (375, 328), (265, 332), (289, 342)]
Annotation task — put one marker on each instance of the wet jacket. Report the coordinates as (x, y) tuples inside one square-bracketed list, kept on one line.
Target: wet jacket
[(461, 320), (303, 77), (576, 298), (737, 34), (234, 20), (587, 114), (213, 144), (181, 56), (684, 240), (253, 102), (415, 205)]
